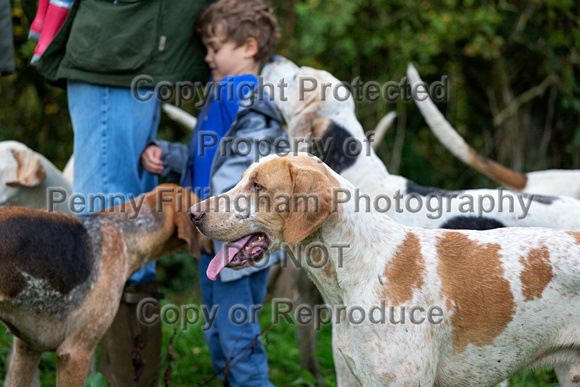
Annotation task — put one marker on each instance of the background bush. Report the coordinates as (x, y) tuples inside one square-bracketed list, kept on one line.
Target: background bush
[(513, 79)]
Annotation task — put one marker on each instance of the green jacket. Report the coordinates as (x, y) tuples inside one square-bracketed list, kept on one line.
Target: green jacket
[(110, 42)]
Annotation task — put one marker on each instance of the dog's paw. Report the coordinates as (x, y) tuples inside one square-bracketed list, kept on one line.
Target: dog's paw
[(574, 374), (574, 378)]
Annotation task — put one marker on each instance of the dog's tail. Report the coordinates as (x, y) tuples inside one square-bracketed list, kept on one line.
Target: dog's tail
[(179, 115), (383, 127), (459, 148)]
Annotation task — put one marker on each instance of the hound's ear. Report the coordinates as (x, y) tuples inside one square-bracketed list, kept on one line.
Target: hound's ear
[(308, 124), (187, 232), (300, 126), (311, 204), (30, 172)]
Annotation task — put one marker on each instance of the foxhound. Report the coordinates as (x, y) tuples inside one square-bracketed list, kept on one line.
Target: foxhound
[(63, 275), (314, 106), (508, 298), (550, 182)]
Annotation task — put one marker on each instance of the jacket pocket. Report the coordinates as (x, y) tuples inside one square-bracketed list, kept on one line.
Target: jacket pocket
[(113, 36)]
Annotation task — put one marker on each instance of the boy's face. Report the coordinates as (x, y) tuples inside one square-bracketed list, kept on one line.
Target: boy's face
[(224, 58)]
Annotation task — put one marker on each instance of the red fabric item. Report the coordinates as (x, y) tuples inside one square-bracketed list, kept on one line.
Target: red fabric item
[(55, 17), (38, 22)]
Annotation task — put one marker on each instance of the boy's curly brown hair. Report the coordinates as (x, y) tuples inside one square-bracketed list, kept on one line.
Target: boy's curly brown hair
[(238, 20)]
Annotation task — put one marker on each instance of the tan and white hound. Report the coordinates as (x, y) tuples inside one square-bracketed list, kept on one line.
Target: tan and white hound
[(63, 275), (509, 298), (315, 105)]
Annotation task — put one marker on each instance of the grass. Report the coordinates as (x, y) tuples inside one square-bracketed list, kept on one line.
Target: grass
[(191, 365)]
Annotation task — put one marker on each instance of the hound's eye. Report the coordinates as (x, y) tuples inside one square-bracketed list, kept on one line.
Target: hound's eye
[(258, 187)]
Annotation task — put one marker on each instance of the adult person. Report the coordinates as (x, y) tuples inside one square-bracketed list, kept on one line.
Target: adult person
[(99, 54)]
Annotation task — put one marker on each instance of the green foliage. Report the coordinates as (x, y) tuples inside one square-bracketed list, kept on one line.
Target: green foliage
[(492, 51), (539, 378), (177, 273), (95, 380)]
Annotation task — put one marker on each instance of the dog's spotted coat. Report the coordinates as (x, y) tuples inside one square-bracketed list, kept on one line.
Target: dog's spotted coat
[(510, 297)]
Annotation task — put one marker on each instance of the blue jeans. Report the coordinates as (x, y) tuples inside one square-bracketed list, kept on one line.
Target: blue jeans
[(111, 129), (235, 341)]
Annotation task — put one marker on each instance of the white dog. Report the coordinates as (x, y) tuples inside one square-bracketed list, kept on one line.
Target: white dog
[(25, 177)]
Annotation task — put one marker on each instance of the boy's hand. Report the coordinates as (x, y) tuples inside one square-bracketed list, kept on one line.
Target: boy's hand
[(151, 159)]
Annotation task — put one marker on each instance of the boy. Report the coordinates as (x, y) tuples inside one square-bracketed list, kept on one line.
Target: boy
[(238, 36)]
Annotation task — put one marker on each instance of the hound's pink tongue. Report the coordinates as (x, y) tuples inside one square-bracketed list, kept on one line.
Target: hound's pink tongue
[(220, 261)]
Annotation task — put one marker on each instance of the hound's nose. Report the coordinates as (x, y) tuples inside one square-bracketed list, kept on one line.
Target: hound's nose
[(196, 214)]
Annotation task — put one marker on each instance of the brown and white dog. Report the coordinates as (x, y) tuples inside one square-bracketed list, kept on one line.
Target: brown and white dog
[(509, 298), (313, 103), (63, 275), (549, 182)]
